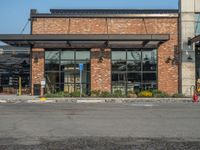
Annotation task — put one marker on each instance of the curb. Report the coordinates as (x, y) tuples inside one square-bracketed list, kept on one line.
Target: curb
[(100, 100)]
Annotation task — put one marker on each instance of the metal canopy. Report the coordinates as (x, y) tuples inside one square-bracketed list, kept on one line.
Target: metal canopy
[(85, 40), (195, 39), (102, 13)]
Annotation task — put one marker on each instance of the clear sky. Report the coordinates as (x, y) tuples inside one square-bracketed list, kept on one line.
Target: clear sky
[(15, 13)]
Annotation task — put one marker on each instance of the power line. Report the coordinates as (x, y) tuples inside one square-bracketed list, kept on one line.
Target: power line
[(24, 27)]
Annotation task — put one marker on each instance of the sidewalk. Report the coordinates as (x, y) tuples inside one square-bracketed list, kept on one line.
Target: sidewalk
[(36, 99)]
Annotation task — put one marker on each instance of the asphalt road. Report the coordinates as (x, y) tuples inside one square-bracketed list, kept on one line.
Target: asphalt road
[(99, 126)]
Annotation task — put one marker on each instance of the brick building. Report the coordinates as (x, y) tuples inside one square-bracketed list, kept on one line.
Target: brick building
[(127, 50)]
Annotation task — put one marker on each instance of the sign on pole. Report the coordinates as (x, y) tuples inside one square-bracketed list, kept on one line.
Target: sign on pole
[(81, 67), (81, 70)]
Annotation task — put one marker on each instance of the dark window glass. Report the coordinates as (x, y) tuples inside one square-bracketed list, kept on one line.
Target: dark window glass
[(52, 65), (14, 64), (149, 60), (119, 65), (134, 70)]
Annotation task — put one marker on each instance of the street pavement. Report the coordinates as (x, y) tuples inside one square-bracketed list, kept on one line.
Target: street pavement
[(99, 126)]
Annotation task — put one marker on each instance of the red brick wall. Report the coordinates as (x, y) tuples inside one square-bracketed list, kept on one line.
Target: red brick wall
[(37, 72), (100, 70), (167, 72)]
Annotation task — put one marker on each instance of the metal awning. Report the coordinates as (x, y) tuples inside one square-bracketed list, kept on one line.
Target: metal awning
[(195, 39), (85, 40)]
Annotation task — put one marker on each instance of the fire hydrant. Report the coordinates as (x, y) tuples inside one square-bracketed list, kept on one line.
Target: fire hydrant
[(195, 98)]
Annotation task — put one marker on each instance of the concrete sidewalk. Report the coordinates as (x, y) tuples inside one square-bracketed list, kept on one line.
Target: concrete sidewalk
[(36, 99)]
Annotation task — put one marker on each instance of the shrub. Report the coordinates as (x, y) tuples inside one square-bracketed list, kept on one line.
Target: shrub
[(178, 95), (57, 94), (105, 94), (95, 93), (145, 94), (158, 93), (131, 94), (76, 94), (118, 93)]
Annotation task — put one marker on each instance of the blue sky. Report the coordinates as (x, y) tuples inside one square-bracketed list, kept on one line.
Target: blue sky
[(15, 13)]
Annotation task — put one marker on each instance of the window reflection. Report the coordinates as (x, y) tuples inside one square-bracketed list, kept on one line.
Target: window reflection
[(14, 63), (136, 71), (63, 72)]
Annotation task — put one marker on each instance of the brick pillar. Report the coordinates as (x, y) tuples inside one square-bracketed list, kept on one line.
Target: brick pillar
[(101, 70), (168, 70), (37, 68)]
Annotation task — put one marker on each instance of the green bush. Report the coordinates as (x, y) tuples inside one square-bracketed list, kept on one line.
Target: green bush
[(57, 94), (178, 95), (95, 93), (118, 93), (145, 94), (159, 94), (75, 94), (105, 94)]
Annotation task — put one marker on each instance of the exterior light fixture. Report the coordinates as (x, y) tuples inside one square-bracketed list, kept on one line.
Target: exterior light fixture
[(36, 58), (173, 61), (168, 60), (101, 56)]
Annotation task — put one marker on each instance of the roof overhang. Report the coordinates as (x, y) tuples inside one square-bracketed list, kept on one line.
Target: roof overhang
[(85, 40), (195, 39), (106, 13)]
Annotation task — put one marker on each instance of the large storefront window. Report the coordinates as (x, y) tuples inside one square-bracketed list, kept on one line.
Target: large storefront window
[(62, 70), (14, 63), (134, 70)]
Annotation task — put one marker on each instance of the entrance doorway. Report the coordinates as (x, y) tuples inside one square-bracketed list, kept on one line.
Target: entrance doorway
[(62, 70)]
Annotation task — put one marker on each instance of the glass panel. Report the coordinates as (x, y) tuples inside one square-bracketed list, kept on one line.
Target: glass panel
[(119, 77), (63, 74), (149, 59), (137, 72), (134, 77), (149, 80), (134, 55), (68, 87), (67, 55), (83, 55), (118, 65), (54, 55), (134, 65), (14, 64), (67, 65), (52, 65), (118, 55), (52, 81), (148, 77)]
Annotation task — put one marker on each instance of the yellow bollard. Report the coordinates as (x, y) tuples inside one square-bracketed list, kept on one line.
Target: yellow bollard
[(20, 86)]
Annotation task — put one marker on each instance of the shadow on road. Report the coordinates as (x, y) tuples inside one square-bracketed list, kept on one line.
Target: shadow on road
[(103, 143)]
